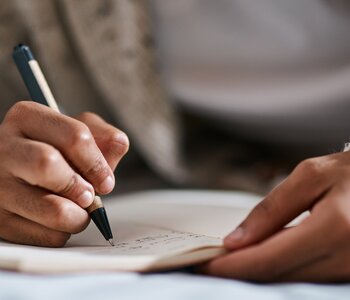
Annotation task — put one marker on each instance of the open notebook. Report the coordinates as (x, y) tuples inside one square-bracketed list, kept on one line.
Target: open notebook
[(153, 230)]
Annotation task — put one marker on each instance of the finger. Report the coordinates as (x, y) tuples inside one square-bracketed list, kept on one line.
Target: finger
[(331, 268), (19, 230), (71, 137), (113, 143), (49, 210), (307, 183), (280, 253), (41, 164)]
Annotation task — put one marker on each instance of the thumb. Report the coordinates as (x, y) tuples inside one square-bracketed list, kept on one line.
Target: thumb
[(293, 196)]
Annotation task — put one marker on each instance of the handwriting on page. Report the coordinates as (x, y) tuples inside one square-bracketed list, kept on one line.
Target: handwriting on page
[(172, 241), (136, 239)]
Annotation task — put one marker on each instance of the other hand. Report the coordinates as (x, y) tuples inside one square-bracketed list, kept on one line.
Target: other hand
[(316, 250)]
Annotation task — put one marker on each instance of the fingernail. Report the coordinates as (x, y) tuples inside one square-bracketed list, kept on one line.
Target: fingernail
[(85, 199), (107, 185), (234, 237)]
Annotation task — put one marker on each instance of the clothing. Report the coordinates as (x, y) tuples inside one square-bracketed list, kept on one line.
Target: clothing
[(99, 56), (96, 57)]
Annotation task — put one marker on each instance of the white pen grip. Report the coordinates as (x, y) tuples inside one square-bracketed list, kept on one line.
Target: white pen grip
[(39, 76)]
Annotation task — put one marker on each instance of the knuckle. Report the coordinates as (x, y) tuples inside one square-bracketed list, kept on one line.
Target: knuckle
[(47, 158), (310, 167), (17, 110), (74, 189), (86, 115), (99, 170), (71, 187), (80, 136)]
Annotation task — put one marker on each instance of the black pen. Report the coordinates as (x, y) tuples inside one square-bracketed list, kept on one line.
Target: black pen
[(40, 92)]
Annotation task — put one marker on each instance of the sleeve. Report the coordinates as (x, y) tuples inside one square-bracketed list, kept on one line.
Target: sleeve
[(12, 32)]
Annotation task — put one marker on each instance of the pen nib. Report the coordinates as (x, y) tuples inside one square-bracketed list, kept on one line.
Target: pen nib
[(111, 242)]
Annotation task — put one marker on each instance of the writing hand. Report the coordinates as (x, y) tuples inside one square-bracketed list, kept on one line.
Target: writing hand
[(50, 165), (316, 250)]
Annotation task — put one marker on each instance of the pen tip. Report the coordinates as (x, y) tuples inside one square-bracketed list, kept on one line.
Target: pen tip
[(111, 242)]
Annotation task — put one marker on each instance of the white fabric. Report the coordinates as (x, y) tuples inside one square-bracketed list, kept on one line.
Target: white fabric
[(156, 287)]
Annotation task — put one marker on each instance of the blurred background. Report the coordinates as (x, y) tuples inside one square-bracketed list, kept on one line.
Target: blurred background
[(270, 77), (225, 94)]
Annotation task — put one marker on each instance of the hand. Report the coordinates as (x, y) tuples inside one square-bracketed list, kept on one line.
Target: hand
[(316, 250), (50, 165)]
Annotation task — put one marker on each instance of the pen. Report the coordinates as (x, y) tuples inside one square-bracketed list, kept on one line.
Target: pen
[(40, 92)]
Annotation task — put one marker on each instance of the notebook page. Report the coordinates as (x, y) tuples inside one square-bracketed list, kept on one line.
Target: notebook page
[(175, 226), (139, 239), (132, 240)]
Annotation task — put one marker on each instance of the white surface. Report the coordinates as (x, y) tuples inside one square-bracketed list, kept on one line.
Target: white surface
[(173, 286)]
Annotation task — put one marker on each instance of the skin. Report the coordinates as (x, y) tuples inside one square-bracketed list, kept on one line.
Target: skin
[(50, 166), (316, 250), (48, 161)]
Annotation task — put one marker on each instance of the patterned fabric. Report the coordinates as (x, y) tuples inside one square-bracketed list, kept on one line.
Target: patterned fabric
[(123, 67), (102, 50)]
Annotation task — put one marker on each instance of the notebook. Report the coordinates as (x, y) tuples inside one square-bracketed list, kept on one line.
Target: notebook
[(154, 230)]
